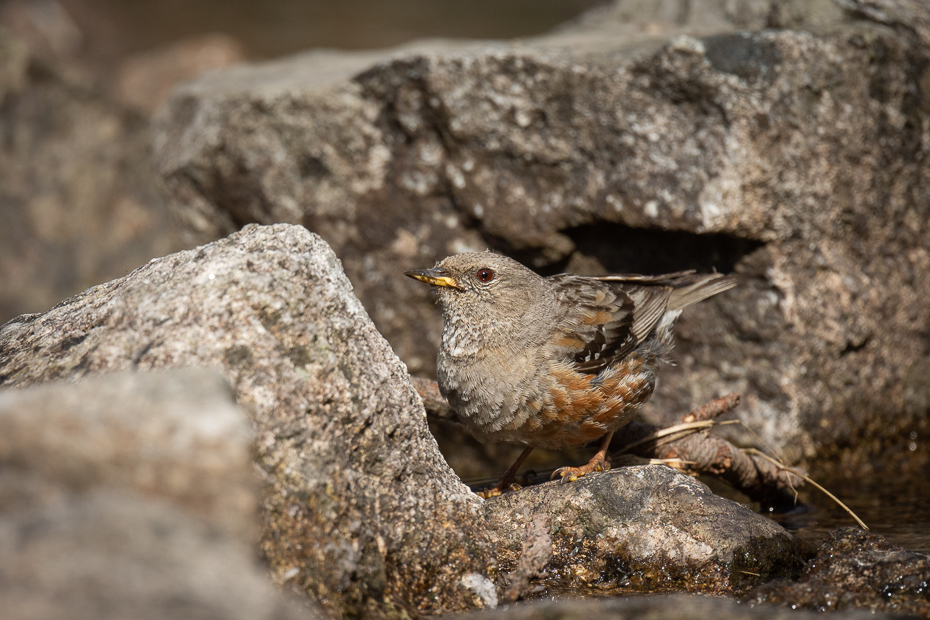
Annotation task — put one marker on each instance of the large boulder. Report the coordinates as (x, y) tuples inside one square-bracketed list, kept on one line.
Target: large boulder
[(359, 509), (131, 495), (785, 141), (358, 494)]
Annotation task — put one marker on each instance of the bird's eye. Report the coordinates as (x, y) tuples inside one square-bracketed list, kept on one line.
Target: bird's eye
[(485, 275)]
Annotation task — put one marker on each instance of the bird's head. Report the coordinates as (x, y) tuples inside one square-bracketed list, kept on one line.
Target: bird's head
[(482, 285)]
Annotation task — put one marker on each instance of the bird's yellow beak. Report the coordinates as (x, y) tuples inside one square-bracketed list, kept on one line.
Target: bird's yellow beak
[(435, 276)]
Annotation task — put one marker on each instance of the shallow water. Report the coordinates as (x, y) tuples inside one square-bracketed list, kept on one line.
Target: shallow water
[(898, 509)]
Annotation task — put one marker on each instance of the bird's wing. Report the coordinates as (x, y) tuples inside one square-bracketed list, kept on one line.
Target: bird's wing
[(606, 318), (688, 287)]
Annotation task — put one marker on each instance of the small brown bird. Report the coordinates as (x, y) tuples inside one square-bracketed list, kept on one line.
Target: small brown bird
[(558, 361)]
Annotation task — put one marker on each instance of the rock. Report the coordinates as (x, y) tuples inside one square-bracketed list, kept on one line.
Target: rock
[(791, 156), (46, 27), (360, 511), (646, 528), (79, 201), (175, 436), (678, 607), (856, 569), (130, 495), (109, 555)]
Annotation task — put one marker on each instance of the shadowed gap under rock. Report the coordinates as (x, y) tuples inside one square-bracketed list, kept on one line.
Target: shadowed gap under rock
[(622, 249)]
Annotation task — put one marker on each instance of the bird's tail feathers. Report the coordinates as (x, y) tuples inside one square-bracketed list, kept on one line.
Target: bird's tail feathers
[(691, 289)]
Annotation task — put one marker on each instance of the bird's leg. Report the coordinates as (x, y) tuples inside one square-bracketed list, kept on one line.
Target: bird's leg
[(599, 462), (508, 476)]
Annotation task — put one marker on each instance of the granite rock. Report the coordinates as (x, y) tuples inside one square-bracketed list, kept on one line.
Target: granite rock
[(131, 495), (785, 141)]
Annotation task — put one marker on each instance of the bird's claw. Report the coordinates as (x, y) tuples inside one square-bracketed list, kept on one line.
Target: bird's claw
[(494, 492), (570, 474)]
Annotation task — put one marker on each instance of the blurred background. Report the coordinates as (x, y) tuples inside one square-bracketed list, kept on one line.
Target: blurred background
[(115, 28), (80, 80)]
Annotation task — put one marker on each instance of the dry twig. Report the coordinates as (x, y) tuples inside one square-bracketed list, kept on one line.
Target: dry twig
[(713, 409), (778, 463), (701, 453)]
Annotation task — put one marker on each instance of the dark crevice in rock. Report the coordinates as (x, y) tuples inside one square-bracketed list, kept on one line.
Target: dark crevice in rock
[(852, 347), (622, 249), (71, 341), (312, 166), (142, 352), (236, 193)]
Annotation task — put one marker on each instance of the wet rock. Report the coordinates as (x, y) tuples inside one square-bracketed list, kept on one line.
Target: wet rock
[(130, 495), (655, 607), (856, 569), (680, 140), (646, 528), (359, 509)]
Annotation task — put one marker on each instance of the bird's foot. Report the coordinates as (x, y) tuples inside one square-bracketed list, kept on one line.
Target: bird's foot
[(600, 462), (507, 481), (497, 490)]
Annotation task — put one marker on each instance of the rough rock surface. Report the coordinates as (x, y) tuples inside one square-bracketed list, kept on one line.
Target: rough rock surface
[(646, 528), (130, 495), (856, 569), (358, 496), (784, 140), (654, 608), (360, 511)]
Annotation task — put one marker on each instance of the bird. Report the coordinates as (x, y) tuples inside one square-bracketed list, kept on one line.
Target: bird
[(553, 362)]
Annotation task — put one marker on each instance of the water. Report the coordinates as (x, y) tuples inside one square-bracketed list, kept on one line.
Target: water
[(896, 508)]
